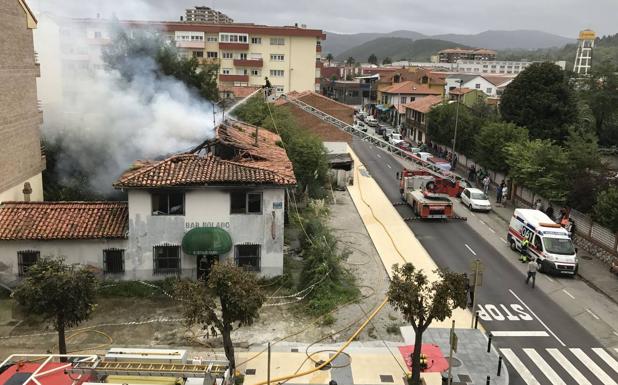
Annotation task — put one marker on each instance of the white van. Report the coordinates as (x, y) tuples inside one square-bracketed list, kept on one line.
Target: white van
[(548, 241)]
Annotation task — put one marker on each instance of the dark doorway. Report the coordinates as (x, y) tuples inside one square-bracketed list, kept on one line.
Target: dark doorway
[(204, 264)]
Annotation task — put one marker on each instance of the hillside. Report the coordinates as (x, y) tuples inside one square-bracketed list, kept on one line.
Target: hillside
[(397, 48), (521, 39)]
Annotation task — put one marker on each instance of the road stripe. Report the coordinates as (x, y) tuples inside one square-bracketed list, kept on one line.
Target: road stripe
[(379, 156), (567, 293), (503, 240), (594, 368), (538, 319), (549, 278), (609, 360), (492, 230), (592, 314), (544, 366), (519, 367), (615, 333), (519, 333), (469, 248), (568, 367), (483, 222), (388, 165)]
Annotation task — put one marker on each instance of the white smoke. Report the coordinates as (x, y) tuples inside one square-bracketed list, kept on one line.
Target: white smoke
[(104, 122)]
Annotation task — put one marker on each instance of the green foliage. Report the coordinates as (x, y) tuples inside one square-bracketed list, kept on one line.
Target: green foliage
[(58, 292), (373, 59), (606, 209), (328, 320), (230, 289), (399, 48), (422, 301), (329, 57), (304, 149), (540, 99), (541, 166), (491, 142), (441, 126), (601, 94), (387, 60), (350, 60)]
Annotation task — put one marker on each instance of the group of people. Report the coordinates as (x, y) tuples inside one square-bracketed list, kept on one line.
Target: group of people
[(564, 219)]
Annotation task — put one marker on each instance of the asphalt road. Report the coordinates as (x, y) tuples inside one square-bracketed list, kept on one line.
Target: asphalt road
[(540, 341)]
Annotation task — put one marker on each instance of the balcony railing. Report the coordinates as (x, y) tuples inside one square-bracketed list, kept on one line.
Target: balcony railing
[(248, 62), (234, 78), (234, 46), (190, 44)]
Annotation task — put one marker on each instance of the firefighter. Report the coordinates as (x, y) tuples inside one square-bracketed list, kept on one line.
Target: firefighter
[(524, 250)]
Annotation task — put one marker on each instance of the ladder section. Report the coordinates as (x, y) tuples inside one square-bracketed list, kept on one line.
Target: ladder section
[(428, 166), (209, 369)]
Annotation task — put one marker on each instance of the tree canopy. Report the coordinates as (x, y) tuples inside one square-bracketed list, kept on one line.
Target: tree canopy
[(329, 57), (58, 292), (373, 59), (230, 294), (387, 60), (422, 301), (491, 141), (606, 209), (441, 126), (540, 99), (602, 98), (350, 60)]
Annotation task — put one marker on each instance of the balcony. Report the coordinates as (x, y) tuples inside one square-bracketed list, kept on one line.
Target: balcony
[(234, 78), (248, 62), (190, 44), (318, 48), (234, 46)]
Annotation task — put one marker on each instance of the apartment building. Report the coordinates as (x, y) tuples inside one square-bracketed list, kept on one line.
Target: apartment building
[(498, 67), (451, 55), (21, 158), (246, 53), (206, 15)]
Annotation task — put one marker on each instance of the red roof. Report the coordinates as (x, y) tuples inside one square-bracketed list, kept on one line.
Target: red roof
[(411, 88), (460, 91), (425, 104), (239, 91), (232, 158), (54, 374), (63, 220)]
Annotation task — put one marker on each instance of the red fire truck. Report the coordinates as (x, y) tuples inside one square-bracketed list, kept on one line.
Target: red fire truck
[(418, 189), (432, 182)]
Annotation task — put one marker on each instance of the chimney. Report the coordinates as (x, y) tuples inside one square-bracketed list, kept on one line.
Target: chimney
[(27, 191)]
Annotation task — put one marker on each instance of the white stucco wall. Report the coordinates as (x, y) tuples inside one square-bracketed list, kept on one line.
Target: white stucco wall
[(15, 193)]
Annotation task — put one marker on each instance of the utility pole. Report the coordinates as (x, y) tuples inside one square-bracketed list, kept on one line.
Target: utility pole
[(477, 270), (452, 348), (456, 122), (268, 369)]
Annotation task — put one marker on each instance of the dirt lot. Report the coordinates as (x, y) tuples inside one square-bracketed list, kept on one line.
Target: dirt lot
[(155, 322)]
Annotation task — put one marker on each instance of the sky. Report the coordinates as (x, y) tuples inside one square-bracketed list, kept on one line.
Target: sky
[(561, 17)]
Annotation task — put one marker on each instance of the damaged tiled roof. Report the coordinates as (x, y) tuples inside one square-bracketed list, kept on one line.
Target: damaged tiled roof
[(63, 220), (411, 88), (425, 104), (266, 163)]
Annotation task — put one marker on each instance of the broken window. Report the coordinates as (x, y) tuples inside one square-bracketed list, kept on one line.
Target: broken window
[(242, 202), (25, 260), (168, 203), (248, 257)]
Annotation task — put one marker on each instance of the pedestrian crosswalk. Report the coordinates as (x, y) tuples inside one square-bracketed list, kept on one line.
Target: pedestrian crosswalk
[(564, 366)]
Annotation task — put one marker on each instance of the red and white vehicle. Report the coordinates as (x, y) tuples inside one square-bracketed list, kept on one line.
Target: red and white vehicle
[(549, 242), (418, 189), (433, 182)]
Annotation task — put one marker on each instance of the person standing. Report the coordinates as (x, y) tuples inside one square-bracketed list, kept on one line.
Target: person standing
[(533, 266), (486, 182), (499, 194), (470, 290), (538, 205), (523, 248), (550, 211), (505, 193)]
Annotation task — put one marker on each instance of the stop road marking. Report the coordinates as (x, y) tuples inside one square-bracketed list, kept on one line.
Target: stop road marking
[(501, 312)]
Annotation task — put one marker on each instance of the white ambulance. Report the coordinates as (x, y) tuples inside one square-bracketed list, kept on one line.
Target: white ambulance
[(548, 241)]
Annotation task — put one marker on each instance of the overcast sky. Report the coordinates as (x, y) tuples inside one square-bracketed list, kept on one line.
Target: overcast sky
[(562, 17)]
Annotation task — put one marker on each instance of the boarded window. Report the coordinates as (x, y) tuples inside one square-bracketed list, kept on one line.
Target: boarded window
[(113, 261)]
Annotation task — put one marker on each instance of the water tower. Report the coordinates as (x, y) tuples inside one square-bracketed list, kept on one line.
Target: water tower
[(583, 57)]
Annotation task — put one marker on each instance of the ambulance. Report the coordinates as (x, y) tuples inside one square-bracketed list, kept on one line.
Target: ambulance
[(548, 241)]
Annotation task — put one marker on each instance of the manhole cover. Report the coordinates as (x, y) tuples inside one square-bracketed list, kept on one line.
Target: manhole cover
[(250, 372), (326, 367), (455, 363), (587, 257)]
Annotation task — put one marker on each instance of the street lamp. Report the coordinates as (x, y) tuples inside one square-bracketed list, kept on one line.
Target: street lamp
[(456, 122)]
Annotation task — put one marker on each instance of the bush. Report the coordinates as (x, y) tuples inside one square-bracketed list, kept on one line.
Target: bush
[(393, 329), (606, 208), (328, 320)]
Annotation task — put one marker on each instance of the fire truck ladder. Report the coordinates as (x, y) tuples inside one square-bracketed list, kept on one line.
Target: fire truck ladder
[(427, 166), (210, 369)]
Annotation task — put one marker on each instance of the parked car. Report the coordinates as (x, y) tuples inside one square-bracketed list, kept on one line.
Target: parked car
[(475, 199), (379, 130), (395, 139), (371, 121), (387, 134), (405, 146), (361, 115), (360, 126)]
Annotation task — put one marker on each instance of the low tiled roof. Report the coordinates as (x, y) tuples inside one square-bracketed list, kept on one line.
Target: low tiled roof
[(63, 220), (425, 104), (411, 88), (460, 91), (245, 163), (239, 91), (498, 80)]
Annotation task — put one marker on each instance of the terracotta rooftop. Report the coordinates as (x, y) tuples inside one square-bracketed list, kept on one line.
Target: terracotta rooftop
[(239, 91), (497, 80), (63, 220), (231, 158), (460, 91), (411, 88), (425, 104)]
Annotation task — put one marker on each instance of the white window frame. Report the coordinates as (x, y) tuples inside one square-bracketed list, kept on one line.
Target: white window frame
[(277, 57), (227, 55), (241, 38), (277, 41), (256, 72), (212, 54), (277, 73), (256, 40)]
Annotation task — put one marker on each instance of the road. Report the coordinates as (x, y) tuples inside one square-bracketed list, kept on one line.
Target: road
[(542, 343)]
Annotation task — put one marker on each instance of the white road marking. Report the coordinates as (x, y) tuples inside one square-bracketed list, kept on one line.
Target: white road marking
[(550, 279), (519, 367), (594, 368), (538, 319), (492, 230), (473, 214), (483, 222), (544, 366), (567, 293), (469, 248), (616, 333), (561, 359), (519, 333), (503, 240), (592, 314), (379, 156), (609, 360), (388, 165)]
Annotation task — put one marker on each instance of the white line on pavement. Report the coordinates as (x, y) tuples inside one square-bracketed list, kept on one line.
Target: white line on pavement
[(538, 319), (503, 240), (492, 230), (544, 366), (594, 368), (519, 333), (592, 314), (607, 358), (567, 293), (379, 156), (568, 366), (388, 165), (473, 214), (519, 367), (550, 279), (469, 248), (616, 333), (483, 222)]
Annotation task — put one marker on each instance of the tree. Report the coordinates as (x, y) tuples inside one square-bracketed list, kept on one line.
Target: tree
[(387, 60), (491, 141), (540, 99), (239, 300), (58, 292), (541, 166), (130, 55), (606, 208), (441, 126), (602, 97), (373, 59), (422, 301), (586, 174), (350, 61), (329, 57)]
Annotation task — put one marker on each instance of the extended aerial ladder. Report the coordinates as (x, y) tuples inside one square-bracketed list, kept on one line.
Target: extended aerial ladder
[(123, 368)]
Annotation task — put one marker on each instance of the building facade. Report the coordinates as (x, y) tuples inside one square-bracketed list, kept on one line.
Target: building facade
[(199, 14), (452, 55), (416, 117), (223, 201), (499, 67), (21, 158)]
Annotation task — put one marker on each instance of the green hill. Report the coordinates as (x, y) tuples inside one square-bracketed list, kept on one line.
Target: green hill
[(398, 48)]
